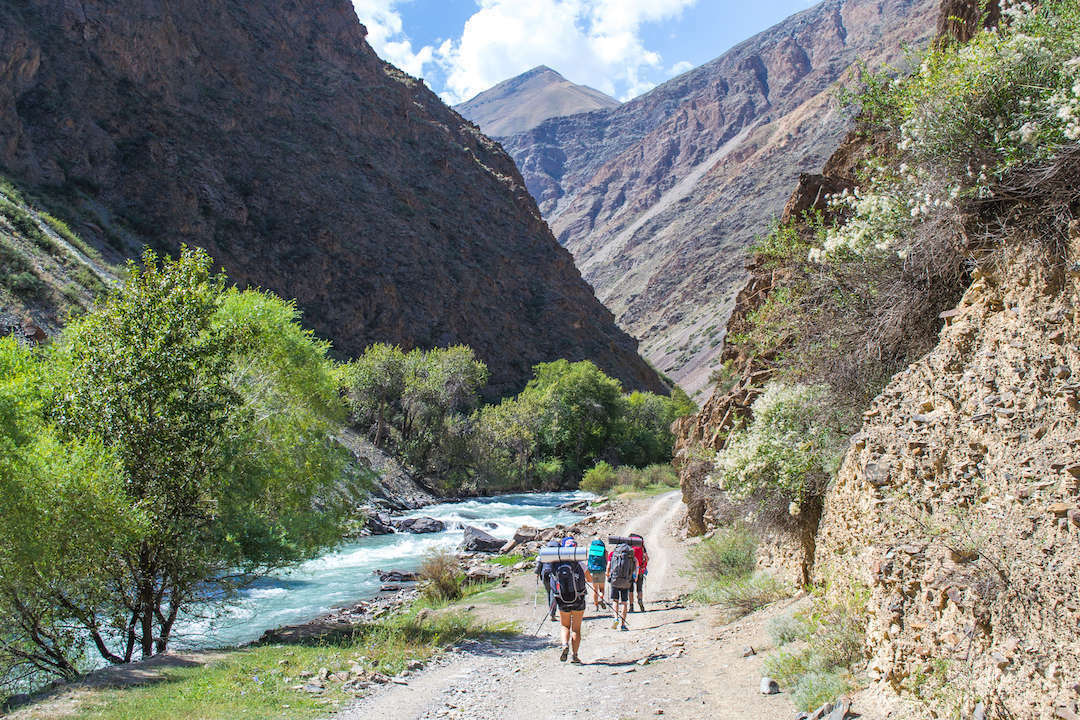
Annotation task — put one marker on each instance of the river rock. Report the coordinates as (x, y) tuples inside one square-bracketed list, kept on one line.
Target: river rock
[(419, 525), (523, 534), (575, 505), (396, 576), (769, 686), (476, 540), (378, 523)]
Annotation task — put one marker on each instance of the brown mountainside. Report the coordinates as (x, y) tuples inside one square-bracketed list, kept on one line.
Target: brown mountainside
[(523, 102), (270, 133), (659, 198)]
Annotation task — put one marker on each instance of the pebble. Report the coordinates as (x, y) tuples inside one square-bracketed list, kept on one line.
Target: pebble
[(769, 686)]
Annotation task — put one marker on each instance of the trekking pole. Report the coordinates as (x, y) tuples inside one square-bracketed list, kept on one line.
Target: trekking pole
[(551, 609), (610, 607)]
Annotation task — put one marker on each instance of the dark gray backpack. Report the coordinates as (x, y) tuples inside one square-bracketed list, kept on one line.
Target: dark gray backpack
[(621, 571)]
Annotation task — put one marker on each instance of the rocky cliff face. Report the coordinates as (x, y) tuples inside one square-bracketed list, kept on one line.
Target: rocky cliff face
[(659, 198), (523, 102), (270, 133), (959, 503)]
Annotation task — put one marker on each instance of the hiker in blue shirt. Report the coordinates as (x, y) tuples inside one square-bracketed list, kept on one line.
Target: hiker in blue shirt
[(595, 571)]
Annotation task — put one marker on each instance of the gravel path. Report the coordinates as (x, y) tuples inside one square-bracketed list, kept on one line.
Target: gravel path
[(675, 661)]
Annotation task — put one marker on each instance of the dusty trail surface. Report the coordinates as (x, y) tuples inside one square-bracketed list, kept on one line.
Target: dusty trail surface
[(675, 661)]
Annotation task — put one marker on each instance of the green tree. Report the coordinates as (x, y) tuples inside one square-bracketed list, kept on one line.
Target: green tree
[(64, 520), (217, 407)]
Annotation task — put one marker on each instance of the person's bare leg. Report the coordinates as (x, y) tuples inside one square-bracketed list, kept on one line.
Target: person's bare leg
[(565, 619), (575, 631)]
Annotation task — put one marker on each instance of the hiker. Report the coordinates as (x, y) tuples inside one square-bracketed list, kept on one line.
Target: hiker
[(641, 555), (622, 566), (543, 571), (595, 570), (568, 588)]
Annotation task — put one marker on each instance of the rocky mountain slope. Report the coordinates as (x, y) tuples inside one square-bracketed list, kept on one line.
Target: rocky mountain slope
[(659, 198), (271, 134), (523, 102)]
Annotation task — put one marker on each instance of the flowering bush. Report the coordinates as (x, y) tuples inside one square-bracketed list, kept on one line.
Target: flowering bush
[(787, 454), (969, 116)]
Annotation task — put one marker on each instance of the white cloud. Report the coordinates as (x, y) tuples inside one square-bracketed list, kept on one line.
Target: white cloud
[(594, 42), (387, 35), (680, 67)]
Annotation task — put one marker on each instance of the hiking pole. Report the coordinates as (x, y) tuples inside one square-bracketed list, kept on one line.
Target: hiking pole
[(551, 609), (610, 606)]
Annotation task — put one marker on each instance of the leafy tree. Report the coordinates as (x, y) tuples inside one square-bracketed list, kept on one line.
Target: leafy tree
[(217, 408), (64, 519)]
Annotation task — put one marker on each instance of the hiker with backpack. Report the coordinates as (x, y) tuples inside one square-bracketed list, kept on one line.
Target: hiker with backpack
[(568, 589), (641, 555), (543, 573), (622, 566), (595, 570)]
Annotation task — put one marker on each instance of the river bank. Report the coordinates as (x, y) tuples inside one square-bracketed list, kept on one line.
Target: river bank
[(349, 634)]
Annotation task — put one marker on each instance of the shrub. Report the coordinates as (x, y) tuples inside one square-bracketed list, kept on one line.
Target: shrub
[(742, 596), (25, 284), (821, 669), (600, 478), (86, 277), (730, 553), (441, 579), (786, 629), (787, 455)]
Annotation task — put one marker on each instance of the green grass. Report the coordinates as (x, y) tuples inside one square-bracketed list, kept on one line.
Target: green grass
[(500, 595), (61, 228), (258, 682), (509, 560)]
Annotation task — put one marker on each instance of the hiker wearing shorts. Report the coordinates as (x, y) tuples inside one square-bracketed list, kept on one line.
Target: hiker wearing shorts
[(568, 587), (622, 567), (596, 570), (641, 555)]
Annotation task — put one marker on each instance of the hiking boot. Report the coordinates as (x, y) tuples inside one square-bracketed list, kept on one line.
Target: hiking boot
[(624, 627), (615, 625), (563, 654), (575, 660), (641, 604)]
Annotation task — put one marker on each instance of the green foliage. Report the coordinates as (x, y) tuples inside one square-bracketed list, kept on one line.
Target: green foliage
[(441, 579), (25, 224), (744, 595), (786, 457), (61, 228), (599, 478), (724, 567), (830, 639), (411, 403), (86, 277), (258, 682), (422, 406), (728, 554), (187, 428)]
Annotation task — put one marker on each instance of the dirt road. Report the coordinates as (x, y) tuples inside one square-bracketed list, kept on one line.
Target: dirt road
[(676, 661)]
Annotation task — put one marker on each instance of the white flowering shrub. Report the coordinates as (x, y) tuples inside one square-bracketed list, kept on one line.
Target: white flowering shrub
[(787, 454), (969, 116)]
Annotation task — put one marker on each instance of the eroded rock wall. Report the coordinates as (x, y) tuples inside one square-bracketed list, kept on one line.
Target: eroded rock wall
[(958, 505)]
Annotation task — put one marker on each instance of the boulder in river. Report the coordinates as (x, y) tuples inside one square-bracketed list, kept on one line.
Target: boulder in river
[(476, 540), (419, 525), (378, 523), (575, 505), (523, 534)]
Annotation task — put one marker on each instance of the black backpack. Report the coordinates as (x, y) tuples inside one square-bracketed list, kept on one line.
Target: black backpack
[(621, 571), (568, 582)]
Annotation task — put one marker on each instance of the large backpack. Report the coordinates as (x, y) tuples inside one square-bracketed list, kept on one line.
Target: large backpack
[(597, 556), (568, 582), (621, 572)]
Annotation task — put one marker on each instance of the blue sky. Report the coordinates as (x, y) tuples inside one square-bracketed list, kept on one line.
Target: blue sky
[(622, 47)]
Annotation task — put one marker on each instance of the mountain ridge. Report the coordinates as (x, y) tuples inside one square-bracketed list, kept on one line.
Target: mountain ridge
[(658, 201), (274, 137), (520, 103)]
